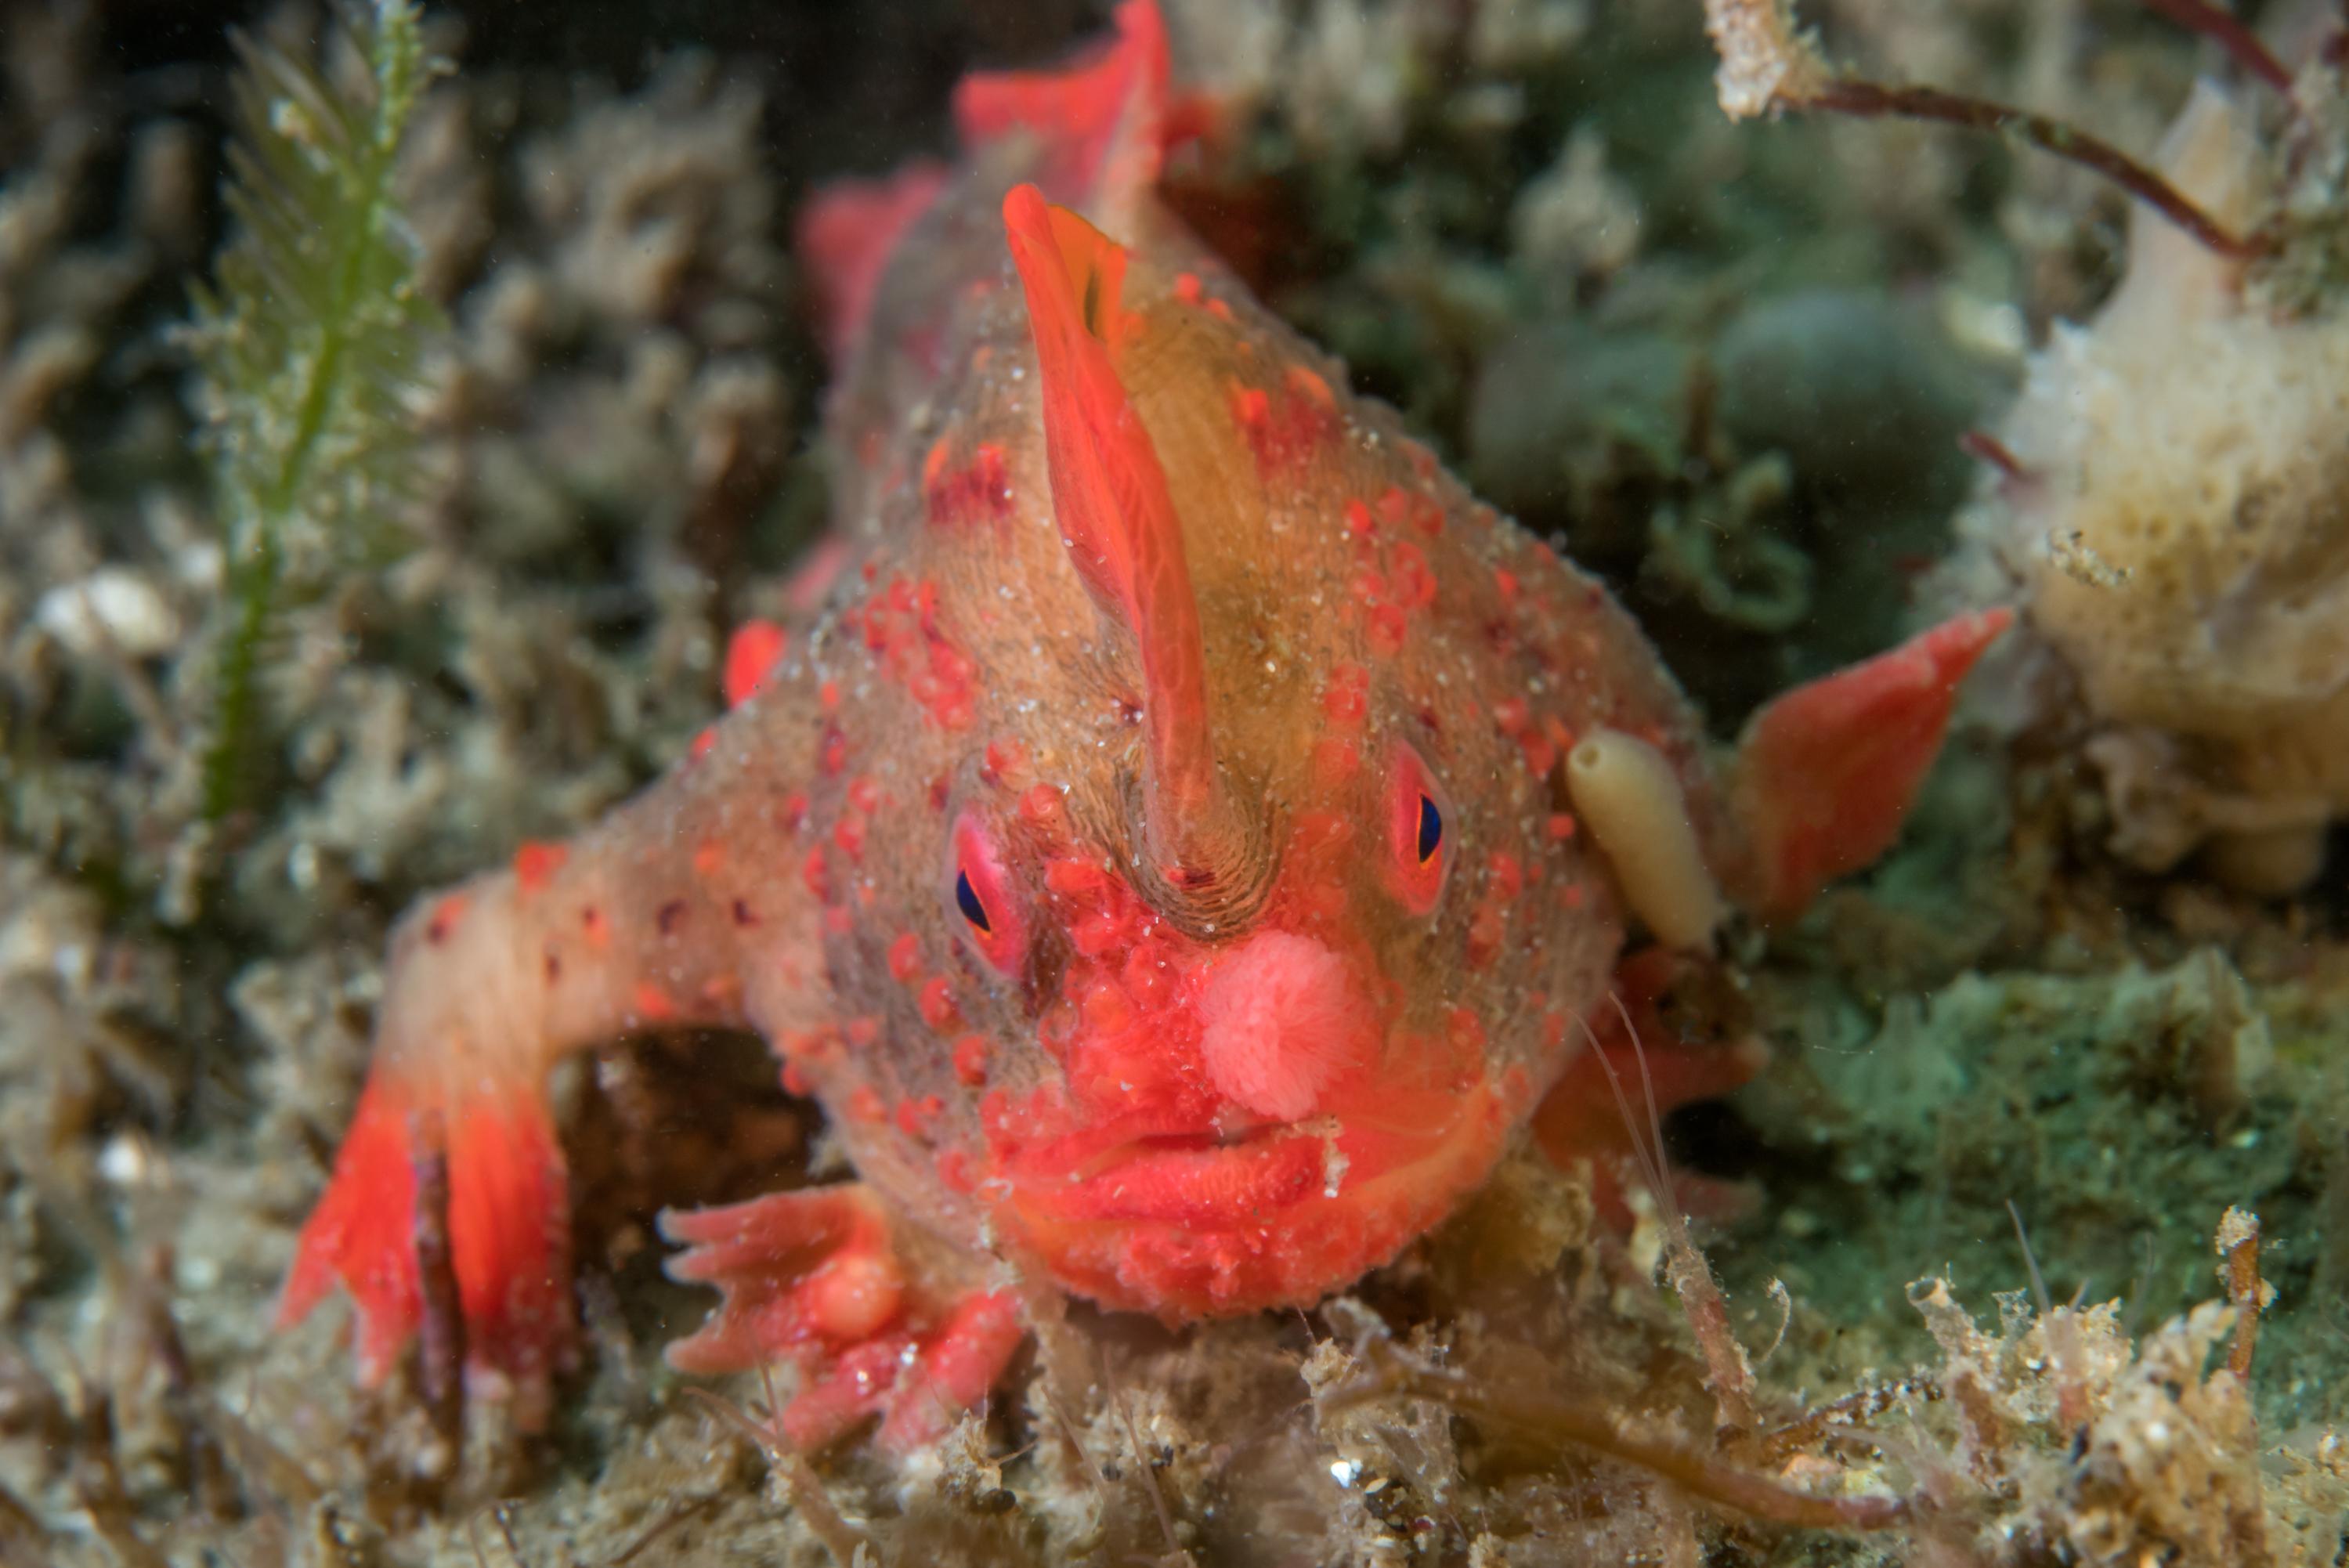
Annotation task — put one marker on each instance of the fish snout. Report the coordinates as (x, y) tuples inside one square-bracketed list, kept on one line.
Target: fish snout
[(1281, 1018)]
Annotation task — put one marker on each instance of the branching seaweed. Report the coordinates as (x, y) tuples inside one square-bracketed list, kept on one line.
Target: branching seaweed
[(308, 343), (1768, 63)]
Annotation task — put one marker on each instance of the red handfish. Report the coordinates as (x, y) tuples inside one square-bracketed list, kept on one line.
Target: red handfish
[(1177, 852)]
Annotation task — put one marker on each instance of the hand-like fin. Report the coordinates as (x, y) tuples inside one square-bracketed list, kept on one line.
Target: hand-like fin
[(1826, 772), (812, 1277)]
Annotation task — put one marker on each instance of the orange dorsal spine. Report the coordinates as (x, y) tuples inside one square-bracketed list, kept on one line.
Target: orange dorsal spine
[(1110, 493)]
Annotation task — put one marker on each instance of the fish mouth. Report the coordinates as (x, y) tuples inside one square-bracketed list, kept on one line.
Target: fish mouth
[(1203, 1222)]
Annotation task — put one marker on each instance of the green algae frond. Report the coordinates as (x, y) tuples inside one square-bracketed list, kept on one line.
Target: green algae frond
[(308, 341)]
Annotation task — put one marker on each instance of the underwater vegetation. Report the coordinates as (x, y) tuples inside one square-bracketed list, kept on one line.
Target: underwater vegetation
[(309, 340), (2027, 1240)]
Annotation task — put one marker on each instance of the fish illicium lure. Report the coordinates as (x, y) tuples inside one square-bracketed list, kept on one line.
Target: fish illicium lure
[(1179, 854)]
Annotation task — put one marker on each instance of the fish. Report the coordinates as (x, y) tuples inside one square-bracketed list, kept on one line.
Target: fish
[(1186, 843)]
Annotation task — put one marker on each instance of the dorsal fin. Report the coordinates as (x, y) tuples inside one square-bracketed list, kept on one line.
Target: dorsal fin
[(844, 237), (1114, 510), (1103, 118)]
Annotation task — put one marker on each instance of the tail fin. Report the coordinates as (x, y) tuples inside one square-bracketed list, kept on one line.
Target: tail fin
[(1105, 119), (1826, 772)]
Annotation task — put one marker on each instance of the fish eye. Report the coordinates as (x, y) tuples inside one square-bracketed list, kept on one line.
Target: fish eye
[(1418, 852), (966, 900), (979, 892)]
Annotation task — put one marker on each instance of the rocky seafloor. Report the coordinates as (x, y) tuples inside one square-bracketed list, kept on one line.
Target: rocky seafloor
[(1980, 1226)]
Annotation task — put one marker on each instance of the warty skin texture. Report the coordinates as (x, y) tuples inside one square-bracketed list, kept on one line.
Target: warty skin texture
[(1187, 1050)]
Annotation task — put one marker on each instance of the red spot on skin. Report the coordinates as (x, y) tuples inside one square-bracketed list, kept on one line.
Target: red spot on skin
[(1307, 382), (1284, 436), (595, 927), (535, 864), (1541, 753), (1560, 827), (1097, 935), (1358, 519), (1348, 699), (900, 627), (1388, 629), (864, 795), (953, 1169), (816, 873), (827, 697), (849, 834), (1511, 716), (1147, 976), (1004, 761), (1187, 287), (708, 857), (1394, 506), (653, 1004), (937, 1003), (1507, 877), (1335, 760), (1505, 582), (837, 920), (1427, 516), (1074, 877), (1221, 312), (905, 959), (914, 1116), (791, 815), (702, 744), (865, 1105), (1252, 407), (1407, 569), (443, 921), (978, 492), (1040, 805), (751, 655), (796, 1082), (835, 752), (863, 1029)]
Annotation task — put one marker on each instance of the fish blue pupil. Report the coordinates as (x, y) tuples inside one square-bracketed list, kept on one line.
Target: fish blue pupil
[(1430, 830), (966, 900)]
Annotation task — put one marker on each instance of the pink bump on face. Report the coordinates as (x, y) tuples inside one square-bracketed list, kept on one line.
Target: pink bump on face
[(1279, 1020)]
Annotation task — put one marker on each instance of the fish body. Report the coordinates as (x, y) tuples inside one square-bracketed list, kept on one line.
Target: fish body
[(1159, 853)]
